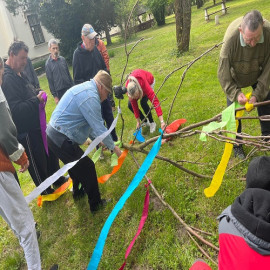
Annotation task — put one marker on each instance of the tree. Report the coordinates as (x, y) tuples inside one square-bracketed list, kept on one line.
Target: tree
[(122, 10), (106, 17), (158, 8), (64, 19), (183, 24)]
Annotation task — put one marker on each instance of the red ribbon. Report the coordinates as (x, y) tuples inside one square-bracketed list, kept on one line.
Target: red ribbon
[(142, 221)]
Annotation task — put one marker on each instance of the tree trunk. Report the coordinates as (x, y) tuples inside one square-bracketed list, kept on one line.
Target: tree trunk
[(108, 36), (183, 24)]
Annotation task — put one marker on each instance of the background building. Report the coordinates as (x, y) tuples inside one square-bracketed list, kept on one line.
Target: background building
[(26, 27)]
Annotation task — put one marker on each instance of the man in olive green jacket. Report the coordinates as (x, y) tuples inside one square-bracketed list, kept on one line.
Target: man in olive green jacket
[(245, 61)]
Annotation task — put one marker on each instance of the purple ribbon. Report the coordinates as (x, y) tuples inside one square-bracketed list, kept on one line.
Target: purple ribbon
[(43, 124)]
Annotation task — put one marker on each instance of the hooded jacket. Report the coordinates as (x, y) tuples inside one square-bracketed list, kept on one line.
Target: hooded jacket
[(86, 64), (244, 232), (22, 100)]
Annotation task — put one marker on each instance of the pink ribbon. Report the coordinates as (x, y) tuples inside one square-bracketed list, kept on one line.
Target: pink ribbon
[(142, 221), (43, 124)]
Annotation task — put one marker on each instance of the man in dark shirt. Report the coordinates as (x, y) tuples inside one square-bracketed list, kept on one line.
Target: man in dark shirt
[(57, 72), (24, 102)]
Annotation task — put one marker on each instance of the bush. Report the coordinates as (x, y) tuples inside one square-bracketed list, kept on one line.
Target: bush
[(111, 54), (39, 66)]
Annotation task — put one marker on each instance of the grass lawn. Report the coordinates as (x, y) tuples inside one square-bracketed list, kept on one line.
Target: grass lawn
[(69, 231)]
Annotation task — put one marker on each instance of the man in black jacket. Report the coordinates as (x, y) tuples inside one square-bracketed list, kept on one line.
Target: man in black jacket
[(24, 101), (87, 61)]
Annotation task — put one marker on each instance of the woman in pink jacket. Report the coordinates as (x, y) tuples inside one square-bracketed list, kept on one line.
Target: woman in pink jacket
[(140, 85)]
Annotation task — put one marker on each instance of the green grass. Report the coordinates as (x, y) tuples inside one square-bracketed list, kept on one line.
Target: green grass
[(69, 232)]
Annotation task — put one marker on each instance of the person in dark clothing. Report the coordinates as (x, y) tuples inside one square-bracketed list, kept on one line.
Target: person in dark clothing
[(31, 75), (244, 226), (57, 72), (87, 61), (24, 102)]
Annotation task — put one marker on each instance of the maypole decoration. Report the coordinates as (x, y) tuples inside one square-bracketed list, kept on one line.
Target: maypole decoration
[(97, 253), (228, 120), (56, 194)]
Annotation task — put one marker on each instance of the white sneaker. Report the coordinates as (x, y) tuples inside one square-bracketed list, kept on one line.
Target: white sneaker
[(148, 123), (152, 127), (101, 155)]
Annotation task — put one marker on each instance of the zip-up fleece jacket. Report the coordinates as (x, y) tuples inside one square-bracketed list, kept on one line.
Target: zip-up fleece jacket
[(104, 53), (145, 79)]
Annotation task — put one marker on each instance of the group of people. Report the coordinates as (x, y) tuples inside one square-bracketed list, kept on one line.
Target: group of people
[(84, 103), (82, 106)]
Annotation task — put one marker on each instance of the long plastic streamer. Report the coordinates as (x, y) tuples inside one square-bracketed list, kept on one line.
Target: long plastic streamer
[(50, 180), (142, 221), (97, 253), (102, 179), (96, 155), (138, 135), (57, 193), (220, 171), (42, 120)]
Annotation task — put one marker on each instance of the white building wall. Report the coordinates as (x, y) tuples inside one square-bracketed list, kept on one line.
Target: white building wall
[(17, 27)]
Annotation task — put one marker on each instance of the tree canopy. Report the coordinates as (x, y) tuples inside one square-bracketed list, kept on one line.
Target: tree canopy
[(64, 19)]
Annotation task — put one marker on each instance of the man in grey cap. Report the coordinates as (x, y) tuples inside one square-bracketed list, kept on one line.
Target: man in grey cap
[(87, 61)]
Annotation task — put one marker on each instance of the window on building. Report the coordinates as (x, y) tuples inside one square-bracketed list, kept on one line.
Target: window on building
[(35, 27)]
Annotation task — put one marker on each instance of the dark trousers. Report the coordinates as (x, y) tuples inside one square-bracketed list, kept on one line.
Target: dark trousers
[(145, 107), (107, 115), (111, 99), (239, 129), (41, 165), (83, 172)]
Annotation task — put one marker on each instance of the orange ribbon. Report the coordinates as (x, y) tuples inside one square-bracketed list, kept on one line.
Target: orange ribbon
[(56, 194), (102, 179)]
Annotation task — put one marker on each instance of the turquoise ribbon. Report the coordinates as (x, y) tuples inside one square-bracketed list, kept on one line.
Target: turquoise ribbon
[(139, 136), (97, 253)]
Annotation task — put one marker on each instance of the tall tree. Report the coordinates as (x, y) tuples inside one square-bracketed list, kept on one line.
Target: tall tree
[(183, 24), (158, 8), (64, 19), (106, 17), (122, 10)]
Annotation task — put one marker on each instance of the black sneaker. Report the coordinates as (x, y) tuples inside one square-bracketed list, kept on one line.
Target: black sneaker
[(78, 194), (54, 267), (62, 180), (100, 205), (239, 152), (48, 191)]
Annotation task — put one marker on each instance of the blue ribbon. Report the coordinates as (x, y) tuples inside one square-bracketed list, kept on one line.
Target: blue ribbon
[(97, 253), (138, 135)]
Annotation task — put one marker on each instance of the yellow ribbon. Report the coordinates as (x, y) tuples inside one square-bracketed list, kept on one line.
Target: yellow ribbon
[(219, 173), (57, 193)]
